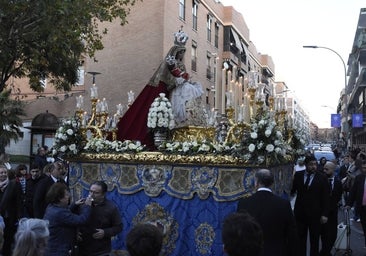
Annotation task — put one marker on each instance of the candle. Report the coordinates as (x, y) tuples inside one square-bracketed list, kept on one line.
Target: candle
[(98, 107), (94, 92), (223, 90), (104, 105), (83, 119), (234, 73)]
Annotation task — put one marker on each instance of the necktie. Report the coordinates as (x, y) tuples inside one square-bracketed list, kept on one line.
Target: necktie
[(330, 185), (307, 181)]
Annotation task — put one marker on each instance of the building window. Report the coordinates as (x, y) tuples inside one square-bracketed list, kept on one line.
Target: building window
[(194, 56), (208, 63), (209, 24), (217, 35), (194, 14), (215, 69), (182, 9)]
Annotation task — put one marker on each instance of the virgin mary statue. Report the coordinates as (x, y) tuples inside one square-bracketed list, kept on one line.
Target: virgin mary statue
[(170, 78)]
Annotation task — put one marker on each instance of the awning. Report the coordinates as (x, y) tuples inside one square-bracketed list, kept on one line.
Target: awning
[(236, 40)]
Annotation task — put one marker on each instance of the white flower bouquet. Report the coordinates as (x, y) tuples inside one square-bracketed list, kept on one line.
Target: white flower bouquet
[(160, 115), (68, 139), (264, 143)]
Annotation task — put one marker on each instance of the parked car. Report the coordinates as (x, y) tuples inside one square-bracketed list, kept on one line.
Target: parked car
[(329, 155)]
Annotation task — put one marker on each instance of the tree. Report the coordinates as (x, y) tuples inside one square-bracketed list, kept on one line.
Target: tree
[(47, 39), (10, 121)]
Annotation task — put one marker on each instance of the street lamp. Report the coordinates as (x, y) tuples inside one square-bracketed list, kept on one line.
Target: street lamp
[(345, 81)]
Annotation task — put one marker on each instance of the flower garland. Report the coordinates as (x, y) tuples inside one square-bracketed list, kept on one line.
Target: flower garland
[(98, 145), (68, 139), (198, 147), (160, 116)]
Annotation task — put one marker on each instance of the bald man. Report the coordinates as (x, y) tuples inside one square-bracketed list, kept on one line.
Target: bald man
[(328, 233), (279, 229)]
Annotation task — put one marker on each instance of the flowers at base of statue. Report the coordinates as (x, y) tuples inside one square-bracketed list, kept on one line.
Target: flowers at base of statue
[(197, 147), (160, 116), (68, 138), (99, 145), (263, 144)]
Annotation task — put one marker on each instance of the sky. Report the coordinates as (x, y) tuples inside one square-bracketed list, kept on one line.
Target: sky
[(280, 28)]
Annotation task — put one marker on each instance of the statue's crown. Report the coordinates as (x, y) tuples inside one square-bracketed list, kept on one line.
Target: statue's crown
[(180, 38)]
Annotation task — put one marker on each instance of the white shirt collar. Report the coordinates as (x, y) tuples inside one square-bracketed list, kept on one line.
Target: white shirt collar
[(264, 189)]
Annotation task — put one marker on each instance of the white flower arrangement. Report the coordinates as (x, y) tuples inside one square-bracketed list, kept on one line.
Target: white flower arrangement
[(98, 145), (264, 143), (160, 116), (68, 139)]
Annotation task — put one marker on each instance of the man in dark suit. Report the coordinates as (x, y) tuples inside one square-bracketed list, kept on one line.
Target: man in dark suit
[(311, 205), (279, 229), (358, 195), (57, 173), (329, 230)]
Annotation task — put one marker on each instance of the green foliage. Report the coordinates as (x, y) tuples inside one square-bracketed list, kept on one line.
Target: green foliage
[(46, 39), (10, 121)]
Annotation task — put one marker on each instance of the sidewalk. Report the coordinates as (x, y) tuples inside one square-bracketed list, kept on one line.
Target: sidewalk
[(356, 240)]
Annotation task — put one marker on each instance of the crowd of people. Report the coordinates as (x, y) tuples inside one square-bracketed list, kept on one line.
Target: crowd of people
[(37, 216)]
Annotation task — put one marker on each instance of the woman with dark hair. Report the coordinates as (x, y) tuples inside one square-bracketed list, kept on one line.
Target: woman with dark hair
[(21, 176), (63, 220)]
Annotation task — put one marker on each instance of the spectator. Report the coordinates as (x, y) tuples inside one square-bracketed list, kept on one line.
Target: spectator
[(242, 235), (344, 167), (311, 205), (300, 165), (321, 164), (5, 160), (40, 158), (21, 176), (63, 221), (357, 196), (144, 240), (36, 176), (328, 233), (31, 237), (348, 182), (10, 208), (279, 230), (104, 223), (57, 173)]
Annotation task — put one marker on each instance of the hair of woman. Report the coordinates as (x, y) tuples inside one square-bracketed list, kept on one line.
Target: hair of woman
[(56, 193), (31, 237)]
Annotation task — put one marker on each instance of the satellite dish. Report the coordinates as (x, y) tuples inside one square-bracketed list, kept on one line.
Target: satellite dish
[(226, 66)]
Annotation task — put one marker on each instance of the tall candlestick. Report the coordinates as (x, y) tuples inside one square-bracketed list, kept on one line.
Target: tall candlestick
[(223, 90)]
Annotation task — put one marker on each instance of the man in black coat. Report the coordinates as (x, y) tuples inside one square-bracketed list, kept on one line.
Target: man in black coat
[(57, 173), (311, 205), (274, 214), (357, 195), (329, 230)]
